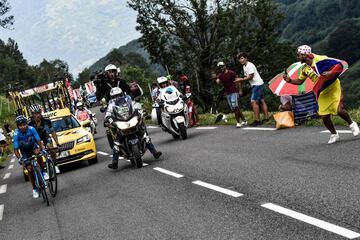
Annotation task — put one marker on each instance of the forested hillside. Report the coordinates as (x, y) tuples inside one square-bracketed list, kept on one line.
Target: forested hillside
[(332, 28), (16, 72)]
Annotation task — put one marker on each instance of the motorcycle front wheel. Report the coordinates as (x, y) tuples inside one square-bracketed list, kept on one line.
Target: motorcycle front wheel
[(182, 130), (137, 155)]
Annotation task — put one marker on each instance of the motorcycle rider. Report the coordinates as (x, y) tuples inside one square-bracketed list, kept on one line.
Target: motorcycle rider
[(42, 126), (118, 95), (111, 80), (82, 114), (164, 86)]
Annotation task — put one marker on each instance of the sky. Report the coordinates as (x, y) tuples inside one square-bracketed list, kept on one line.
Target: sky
[(76, 31)]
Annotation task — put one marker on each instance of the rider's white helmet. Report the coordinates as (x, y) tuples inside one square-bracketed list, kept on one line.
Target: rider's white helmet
[(110, 67), (116, 91), (79, 104), (161, 80)]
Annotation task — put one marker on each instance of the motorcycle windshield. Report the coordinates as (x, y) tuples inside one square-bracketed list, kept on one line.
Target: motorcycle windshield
[(123, 108), (173, 102)]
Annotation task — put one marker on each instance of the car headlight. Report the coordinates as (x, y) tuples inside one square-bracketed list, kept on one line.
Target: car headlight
[(83, 139)]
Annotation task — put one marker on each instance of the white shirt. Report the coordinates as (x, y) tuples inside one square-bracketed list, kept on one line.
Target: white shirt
[(250, 68), (2, 137)]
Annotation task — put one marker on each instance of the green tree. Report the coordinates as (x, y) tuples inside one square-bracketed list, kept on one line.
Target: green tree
[(115, 57), (139, 75), (84, 76), (5, 20), (49, 71)]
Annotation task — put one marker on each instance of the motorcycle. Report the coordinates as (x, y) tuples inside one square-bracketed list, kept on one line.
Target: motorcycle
[(88, 121), (130, 135), (174, 115)]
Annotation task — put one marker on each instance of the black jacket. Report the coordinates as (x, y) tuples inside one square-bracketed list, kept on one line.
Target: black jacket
[(104, 86)]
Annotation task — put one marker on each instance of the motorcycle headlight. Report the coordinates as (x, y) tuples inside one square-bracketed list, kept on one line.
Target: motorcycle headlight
[(83, 139), (170, 109)]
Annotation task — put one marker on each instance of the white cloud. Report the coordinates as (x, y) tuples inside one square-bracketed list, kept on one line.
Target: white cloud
[(72, 30)]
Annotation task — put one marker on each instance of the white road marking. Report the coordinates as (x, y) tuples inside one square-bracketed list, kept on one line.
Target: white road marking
[(11, 166), (102, 153), (218, 189), (12, 160), (1, 211), (110, 156), (206, 128), (174, 174), (3, 188), (153, 127), (339, 131), (7, 175), (313, 221), (259, 128)]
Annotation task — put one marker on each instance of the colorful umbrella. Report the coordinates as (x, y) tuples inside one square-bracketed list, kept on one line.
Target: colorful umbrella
[(279, 87)]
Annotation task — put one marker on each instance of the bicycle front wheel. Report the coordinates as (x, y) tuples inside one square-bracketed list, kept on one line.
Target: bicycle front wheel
[(41, 187), (52, 183)]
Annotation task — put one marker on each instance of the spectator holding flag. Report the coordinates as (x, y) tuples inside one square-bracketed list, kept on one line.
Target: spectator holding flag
[(324, 73)]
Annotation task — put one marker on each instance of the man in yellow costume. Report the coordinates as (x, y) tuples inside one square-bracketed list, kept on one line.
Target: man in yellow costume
[(324, 73)]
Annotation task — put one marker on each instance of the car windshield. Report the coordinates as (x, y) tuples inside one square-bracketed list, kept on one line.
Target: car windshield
[(65, 123)]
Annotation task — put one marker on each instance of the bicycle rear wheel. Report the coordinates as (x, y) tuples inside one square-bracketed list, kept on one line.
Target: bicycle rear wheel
[(41, 187), (52, 183)]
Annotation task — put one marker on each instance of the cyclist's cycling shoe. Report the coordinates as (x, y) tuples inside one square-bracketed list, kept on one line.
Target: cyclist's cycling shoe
[(57, 170), (157, 154), (35, 193), (113, 165), (46, 176)]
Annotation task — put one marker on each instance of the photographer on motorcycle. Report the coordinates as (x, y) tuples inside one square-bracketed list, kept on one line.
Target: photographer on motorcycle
[(108, 80), (117, 96), (82, 114), (111, 79)]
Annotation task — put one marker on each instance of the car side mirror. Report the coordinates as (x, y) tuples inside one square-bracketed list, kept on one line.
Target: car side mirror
[(85, 123)]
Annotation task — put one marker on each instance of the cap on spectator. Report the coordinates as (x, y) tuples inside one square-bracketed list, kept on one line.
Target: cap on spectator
[(221, 64), (304, 49)]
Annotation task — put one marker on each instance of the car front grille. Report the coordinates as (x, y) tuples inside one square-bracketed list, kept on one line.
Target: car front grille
[(66, 146), (73, 157)]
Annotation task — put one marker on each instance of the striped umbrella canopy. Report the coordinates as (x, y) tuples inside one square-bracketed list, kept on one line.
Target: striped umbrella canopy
[(280, 87)]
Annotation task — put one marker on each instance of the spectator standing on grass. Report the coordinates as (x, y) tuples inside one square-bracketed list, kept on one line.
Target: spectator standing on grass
[(257, 88), (3, 143), (154, 91), (227, 78)]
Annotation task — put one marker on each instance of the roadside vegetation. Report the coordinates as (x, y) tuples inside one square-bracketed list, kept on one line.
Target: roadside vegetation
[(6, 115)]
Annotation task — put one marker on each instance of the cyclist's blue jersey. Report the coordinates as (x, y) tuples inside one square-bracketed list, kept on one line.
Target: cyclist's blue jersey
[(26, 141)]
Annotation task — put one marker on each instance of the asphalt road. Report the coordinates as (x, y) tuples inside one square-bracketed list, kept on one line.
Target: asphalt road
[(285, 184)]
